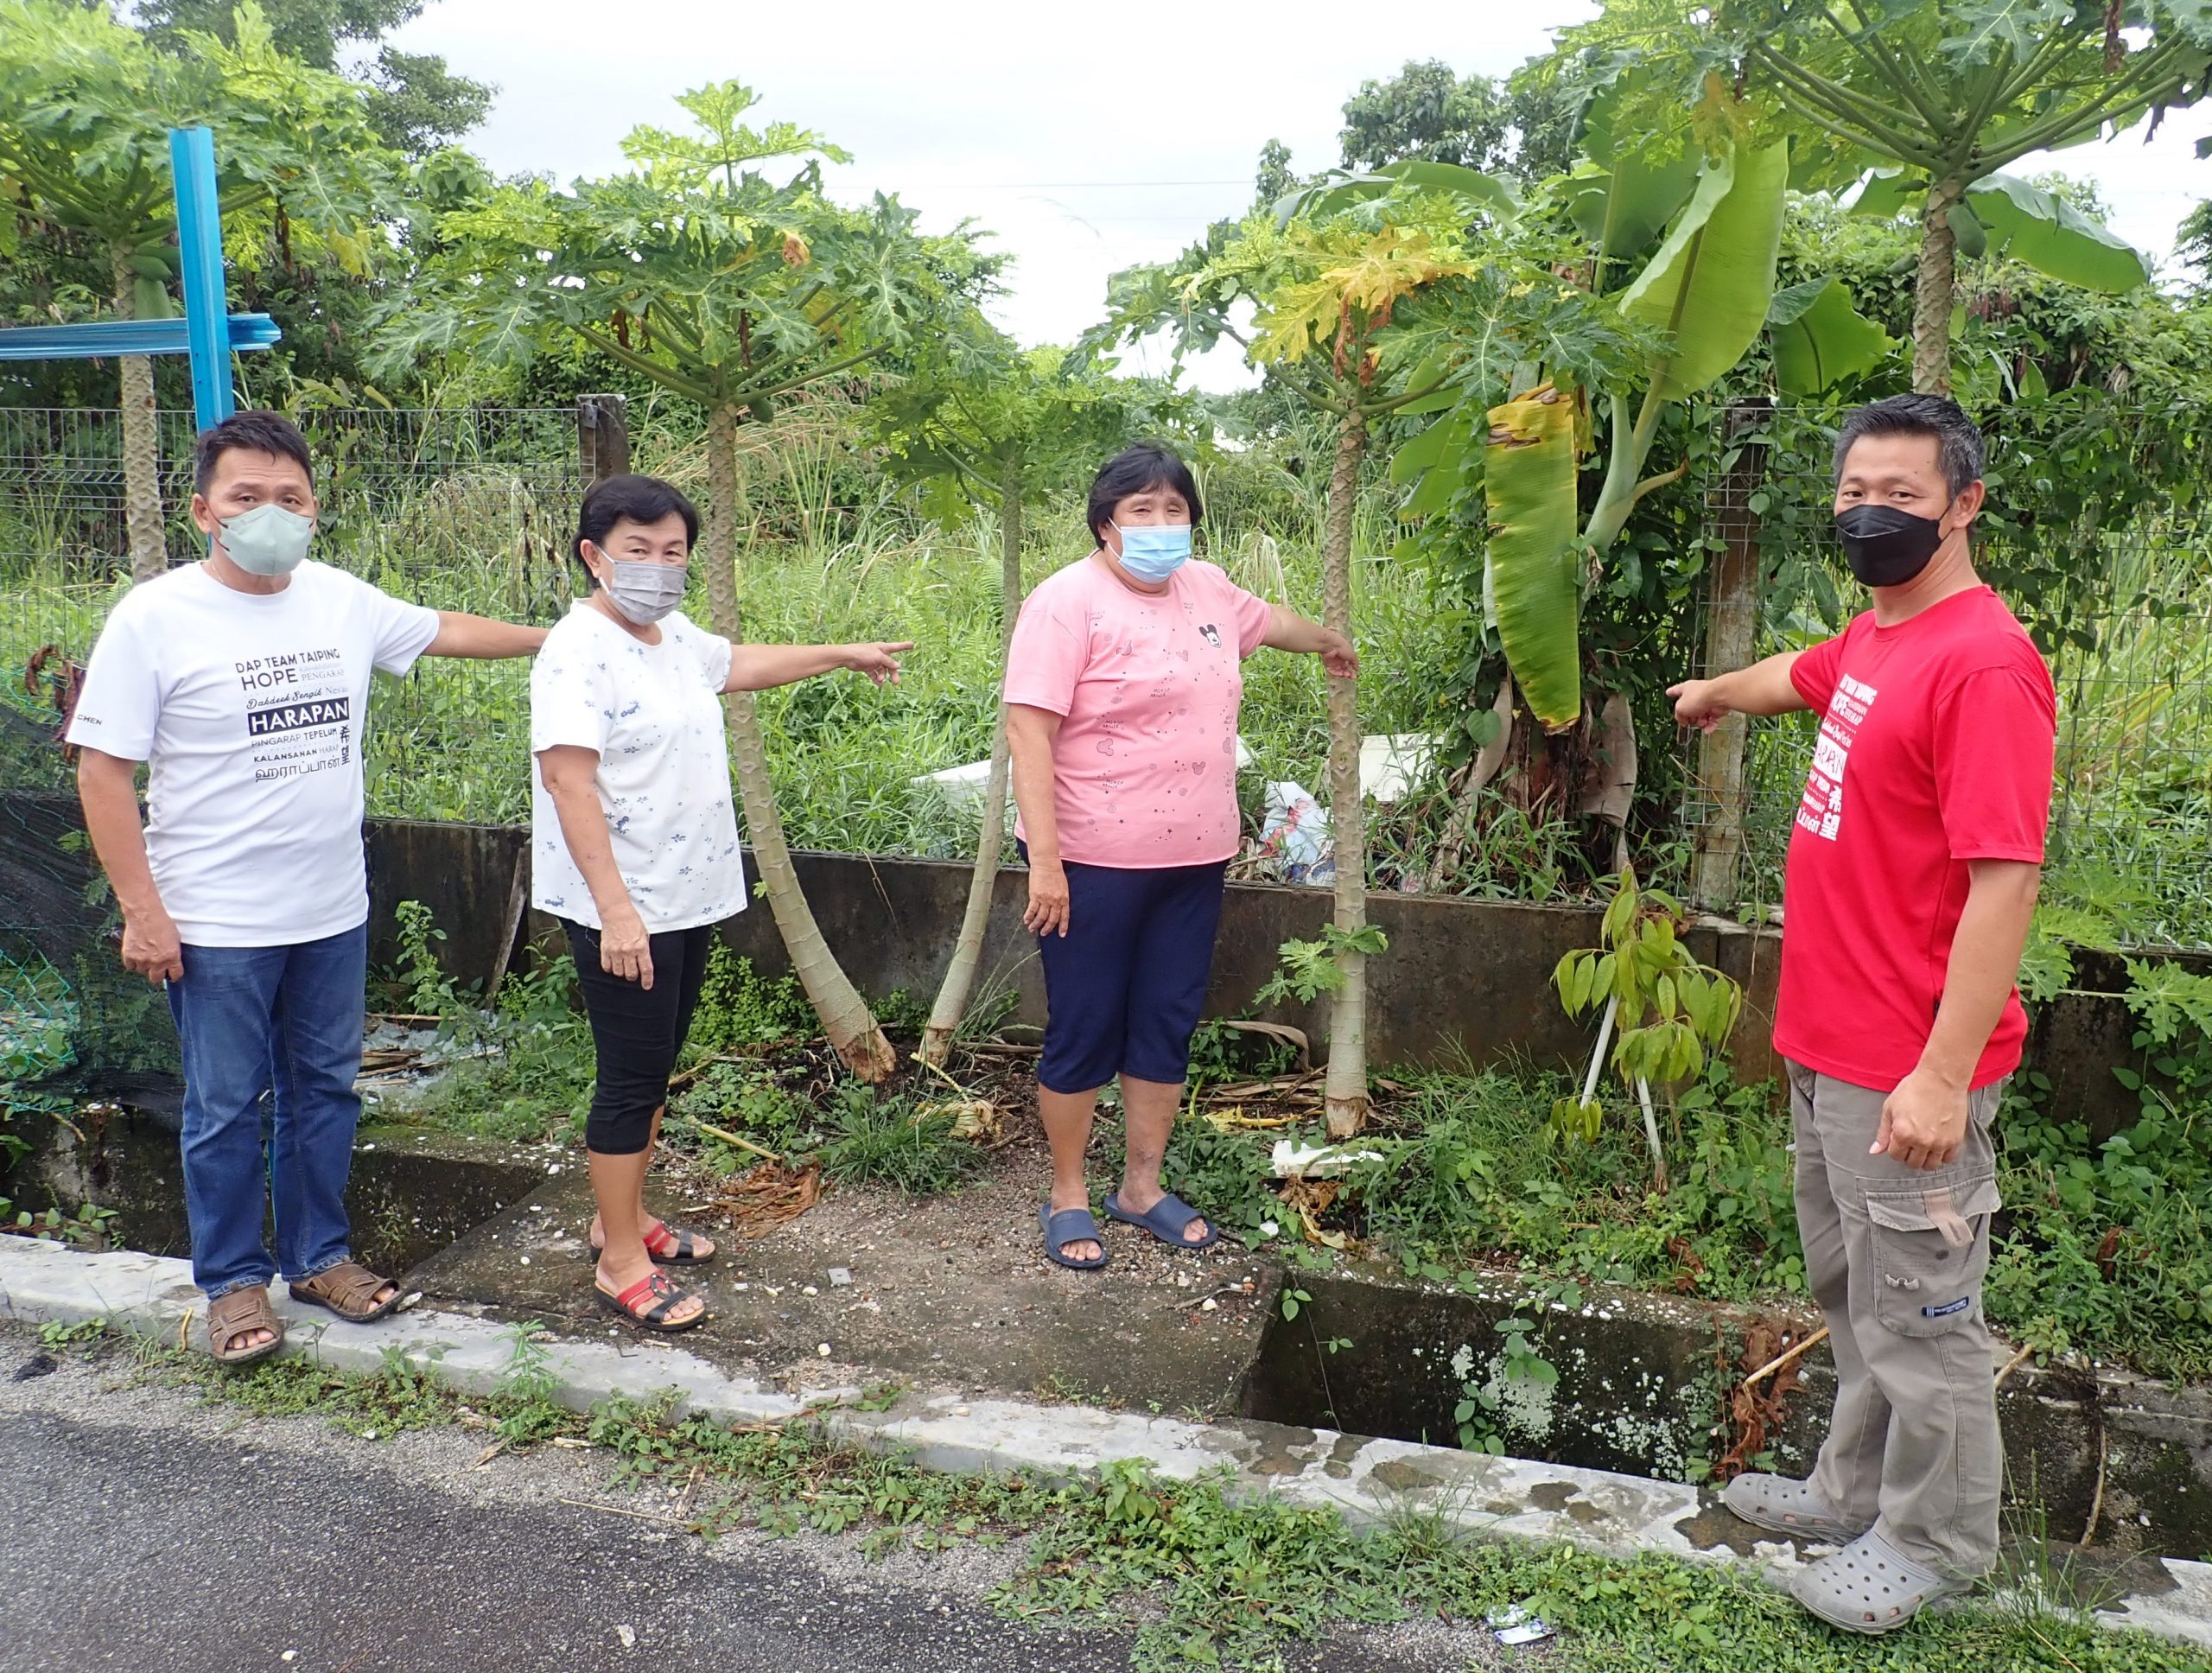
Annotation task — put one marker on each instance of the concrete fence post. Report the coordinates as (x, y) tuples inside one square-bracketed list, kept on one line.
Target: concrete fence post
[(1731, 630), (602, 436)]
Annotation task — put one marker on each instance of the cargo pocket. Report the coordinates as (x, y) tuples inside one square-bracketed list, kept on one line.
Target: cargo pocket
[(1931, 1250)]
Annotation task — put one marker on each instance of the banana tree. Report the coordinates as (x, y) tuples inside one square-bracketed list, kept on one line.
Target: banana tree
[(1687, 316), (699, 273), (86, 107), (1941, 96), (978, 419), (1332, 301)]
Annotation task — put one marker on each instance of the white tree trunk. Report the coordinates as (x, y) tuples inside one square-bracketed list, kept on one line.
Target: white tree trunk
[(845, 1015), (1345, 1086), (959, 981)]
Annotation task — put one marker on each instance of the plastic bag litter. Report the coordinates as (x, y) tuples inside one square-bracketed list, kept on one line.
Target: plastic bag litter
[(1295, 834)]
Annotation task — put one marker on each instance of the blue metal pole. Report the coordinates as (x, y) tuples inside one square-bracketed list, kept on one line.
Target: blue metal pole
[(199, 240)]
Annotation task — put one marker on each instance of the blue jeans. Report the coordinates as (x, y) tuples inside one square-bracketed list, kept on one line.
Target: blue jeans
[(285, 1020)]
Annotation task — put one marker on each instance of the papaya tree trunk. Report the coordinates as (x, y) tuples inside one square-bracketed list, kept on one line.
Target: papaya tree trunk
[(1933, 289), (142, 454), (968, 948), (1345, 1087), (845, 1016)]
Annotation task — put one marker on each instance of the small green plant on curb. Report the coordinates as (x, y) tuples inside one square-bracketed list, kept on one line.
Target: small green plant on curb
[(1490, 1397), (1670, 1009), (54, 1334), (85, 1229)]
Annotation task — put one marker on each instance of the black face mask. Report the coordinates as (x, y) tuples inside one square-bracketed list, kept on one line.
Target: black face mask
[(1887, 547)]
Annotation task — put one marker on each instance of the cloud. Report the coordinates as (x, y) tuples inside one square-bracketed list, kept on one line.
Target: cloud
[(1083, 139)]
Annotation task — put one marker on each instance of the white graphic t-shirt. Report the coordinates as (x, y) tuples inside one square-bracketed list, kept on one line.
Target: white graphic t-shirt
[(653, 714), (249, 709)]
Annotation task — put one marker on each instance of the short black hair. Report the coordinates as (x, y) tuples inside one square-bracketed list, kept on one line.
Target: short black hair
[(614, 499), (1957, 437), (1134, 470), (249, 432)]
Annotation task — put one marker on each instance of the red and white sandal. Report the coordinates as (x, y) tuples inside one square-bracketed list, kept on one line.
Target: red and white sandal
[(669, 1246), (649, 1303)]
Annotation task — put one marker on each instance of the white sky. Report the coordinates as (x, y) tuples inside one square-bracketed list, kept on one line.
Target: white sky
[(1086, 139)]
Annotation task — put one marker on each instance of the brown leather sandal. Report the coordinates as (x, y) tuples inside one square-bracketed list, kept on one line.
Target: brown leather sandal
[(239, 1313), (348, 1290)]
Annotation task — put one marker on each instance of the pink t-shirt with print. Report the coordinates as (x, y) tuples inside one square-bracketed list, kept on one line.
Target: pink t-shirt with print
[(1144, 769)]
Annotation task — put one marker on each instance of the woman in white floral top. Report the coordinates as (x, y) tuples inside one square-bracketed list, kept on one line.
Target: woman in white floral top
[(634, 842)]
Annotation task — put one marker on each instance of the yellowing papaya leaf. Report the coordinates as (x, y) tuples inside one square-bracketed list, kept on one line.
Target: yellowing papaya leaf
[(1530, 570), (1362, 276)]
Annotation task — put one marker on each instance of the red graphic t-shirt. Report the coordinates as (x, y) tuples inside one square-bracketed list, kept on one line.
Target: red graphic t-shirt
[(1935, 746)]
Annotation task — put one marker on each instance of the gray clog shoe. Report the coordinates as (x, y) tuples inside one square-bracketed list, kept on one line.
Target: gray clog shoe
[(1776, 1502), (1870, 1587)]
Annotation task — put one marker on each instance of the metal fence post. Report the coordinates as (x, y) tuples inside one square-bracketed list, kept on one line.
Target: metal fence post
[(602, 436), (1731, 627)]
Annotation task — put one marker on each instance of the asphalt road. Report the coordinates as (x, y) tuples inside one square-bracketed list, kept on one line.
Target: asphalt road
[(150, 1534)]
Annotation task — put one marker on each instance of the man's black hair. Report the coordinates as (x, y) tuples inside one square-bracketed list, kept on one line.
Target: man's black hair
[(1139, 469), (249, 432), (1957, 437), (614, 499)]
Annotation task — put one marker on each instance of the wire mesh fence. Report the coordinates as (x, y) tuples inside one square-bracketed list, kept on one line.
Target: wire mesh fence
[(2119, 606), (462, 509)]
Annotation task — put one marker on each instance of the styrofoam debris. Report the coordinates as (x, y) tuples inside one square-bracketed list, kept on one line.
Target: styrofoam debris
[(1292, 1160), (1393, 764)]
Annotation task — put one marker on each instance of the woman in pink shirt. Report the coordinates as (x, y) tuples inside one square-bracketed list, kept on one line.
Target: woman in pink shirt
[(1122, 693)]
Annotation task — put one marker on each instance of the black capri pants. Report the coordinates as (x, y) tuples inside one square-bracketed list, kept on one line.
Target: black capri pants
[(1125, 986), (639, 1033)]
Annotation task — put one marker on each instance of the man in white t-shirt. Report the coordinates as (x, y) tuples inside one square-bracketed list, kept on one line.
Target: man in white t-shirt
[(242, 682)]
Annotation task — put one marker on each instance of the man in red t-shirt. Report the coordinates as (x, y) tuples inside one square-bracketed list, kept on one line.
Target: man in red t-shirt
[(1912, 875)]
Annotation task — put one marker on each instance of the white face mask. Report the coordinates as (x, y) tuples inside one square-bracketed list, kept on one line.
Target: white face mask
[(645, 592)]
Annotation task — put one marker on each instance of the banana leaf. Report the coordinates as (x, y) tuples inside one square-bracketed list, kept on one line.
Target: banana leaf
[(1711, 282), (1820, 338), (1530, 583)]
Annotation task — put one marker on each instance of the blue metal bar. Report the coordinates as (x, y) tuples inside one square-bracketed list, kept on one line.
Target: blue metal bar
[(108, 337), (199, 243)]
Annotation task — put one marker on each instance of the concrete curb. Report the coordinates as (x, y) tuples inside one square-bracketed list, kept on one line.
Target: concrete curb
[(1365, 1480)]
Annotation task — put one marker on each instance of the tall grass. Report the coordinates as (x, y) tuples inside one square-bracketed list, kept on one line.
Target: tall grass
[(474, 514)]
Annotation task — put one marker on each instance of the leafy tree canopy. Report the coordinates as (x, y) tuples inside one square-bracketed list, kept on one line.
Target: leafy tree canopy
[(417, 104), (1427, 113)]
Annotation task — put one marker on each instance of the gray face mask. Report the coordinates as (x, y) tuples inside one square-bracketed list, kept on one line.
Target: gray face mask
[(645, 592), (269, 540)]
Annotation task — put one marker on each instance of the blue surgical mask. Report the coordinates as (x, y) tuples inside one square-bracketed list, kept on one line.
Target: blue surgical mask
[(269, 540), (1155, 552)]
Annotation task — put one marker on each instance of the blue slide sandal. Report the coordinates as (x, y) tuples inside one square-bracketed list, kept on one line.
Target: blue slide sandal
[(1167, 1219), (1070, 1225)]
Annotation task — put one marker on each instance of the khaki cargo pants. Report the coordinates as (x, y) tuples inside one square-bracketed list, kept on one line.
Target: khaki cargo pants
[(1895, 1257)]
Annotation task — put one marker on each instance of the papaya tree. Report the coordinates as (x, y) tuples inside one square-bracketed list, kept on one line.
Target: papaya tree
[(86, 107), (981, 420), (700, 274), (1930, 103), (1333, 300)]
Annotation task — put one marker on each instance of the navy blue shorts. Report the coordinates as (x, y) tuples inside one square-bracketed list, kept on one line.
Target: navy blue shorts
[(1125, 986)]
